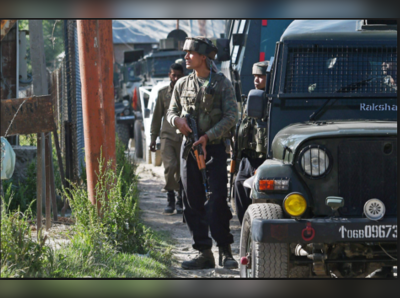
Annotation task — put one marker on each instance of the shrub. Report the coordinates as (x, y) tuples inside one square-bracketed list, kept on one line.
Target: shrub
[(117, 221), (21, 256)]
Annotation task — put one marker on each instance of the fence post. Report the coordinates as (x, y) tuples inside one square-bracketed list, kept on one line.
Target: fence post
[(96, 66), (39, 88)]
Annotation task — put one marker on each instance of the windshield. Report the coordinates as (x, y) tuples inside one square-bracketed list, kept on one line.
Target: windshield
[(159, 66), (315, 69), (130, 74), (340, 83)]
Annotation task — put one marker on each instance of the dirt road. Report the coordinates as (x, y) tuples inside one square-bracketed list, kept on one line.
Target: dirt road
[(152, 204)]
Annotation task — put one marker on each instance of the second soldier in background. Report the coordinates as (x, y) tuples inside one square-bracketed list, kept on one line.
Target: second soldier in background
[(251, 147), (170, 141)]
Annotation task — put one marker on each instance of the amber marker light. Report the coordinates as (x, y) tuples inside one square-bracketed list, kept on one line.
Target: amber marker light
[(295, 205)]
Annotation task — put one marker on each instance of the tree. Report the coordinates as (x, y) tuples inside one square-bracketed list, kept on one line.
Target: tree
[(53, 35)]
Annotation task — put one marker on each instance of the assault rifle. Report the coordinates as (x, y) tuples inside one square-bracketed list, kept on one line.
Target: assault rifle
[(198, 152)]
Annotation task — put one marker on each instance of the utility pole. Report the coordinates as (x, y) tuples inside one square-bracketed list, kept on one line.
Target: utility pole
[(96, 64)]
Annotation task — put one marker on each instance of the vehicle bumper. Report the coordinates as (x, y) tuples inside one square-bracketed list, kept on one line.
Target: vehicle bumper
[(126, 119), (329, 230)]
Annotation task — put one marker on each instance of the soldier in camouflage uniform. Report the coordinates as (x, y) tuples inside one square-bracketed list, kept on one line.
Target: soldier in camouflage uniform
[(170, 141), (209, 98), (252, 150)]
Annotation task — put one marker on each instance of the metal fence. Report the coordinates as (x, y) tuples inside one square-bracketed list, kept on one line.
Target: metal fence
[(66, 91)]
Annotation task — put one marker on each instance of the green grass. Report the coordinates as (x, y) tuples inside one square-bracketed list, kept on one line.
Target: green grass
[(72, 262), (110, 242)]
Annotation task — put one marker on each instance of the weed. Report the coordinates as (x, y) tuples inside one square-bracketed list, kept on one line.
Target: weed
[(107, 242), (21, 256)]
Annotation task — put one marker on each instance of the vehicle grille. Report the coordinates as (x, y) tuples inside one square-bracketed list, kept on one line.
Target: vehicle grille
[(367, 168)]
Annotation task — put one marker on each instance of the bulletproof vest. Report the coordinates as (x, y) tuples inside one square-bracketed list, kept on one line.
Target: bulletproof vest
[(251, 138), (203, 103)]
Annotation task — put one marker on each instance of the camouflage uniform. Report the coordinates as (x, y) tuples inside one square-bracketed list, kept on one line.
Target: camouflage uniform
[(251, 150), (215, 111), (170, 140)]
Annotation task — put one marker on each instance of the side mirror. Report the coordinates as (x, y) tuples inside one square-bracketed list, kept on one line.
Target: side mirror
[(223, 49), (256, 104)]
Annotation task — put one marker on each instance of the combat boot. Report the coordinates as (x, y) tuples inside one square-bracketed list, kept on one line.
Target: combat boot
[(179, 205), (204, 260), (171, 202), (226, 259)]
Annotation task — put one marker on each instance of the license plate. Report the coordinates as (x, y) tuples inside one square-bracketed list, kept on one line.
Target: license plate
[(369, 232)]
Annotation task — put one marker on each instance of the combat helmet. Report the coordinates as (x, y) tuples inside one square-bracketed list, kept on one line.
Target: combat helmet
[(201, 45), (260, 68)]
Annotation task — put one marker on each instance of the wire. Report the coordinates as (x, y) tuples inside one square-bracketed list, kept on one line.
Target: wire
[(14, 118), (387, 253)]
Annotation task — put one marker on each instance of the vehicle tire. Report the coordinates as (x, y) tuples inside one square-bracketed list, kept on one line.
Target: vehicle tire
[(300, 272), (268, 260), (122, 131), (156, 158), (138, 139)]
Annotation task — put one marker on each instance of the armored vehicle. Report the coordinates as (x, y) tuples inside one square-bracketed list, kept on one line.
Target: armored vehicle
[(324, 202), (125, 108), (141, 69), (151, 70), (249, 41)]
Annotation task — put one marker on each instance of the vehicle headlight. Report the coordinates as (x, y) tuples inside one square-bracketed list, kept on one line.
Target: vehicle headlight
[(126, 112), (295, 204), (315, 161), (125, 103)]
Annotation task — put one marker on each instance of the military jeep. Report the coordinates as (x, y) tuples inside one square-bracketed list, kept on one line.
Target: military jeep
[(324, 202)]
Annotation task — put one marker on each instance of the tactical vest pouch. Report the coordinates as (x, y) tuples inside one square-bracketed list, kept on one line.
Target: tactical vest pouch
[(207, 102), (261, 140), (204, 105), (188, 99), (245, 136)]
